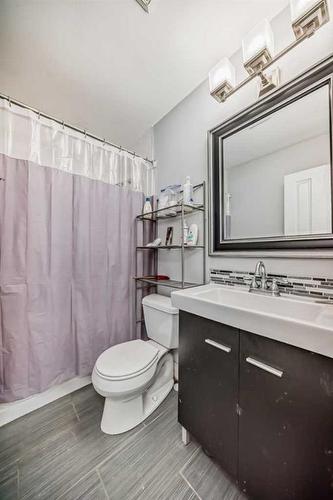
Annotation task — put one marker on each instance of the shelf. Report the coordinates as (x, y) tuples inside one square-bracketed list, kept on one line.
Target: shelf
[(168, 283), (170, 247), (158, 214)]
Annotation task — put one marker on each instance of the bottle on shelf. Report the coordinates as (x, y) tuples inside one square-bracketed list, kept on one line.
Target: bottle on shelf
[(185, 232), (147, 208), (188, 191)]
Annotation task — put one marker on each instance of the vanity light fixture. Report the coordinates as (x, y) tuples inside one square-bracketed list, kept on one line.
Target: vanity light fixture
[(258, 47), (258, 50), (308, 15), (144, 4), (222, 79)]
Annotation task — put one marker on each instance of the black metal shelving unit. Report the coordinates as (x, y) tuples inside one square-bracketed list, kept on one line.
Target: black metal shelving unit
[(181, 211)]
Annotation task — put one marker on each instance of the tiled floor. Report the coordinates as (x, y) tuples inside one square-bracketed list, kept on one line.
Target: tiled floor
[(59, 452)]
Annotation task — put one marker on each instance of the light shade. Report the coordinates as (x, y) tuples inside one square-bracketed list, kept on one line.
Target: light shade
[(223, 73), (259, 40), (300, 7)]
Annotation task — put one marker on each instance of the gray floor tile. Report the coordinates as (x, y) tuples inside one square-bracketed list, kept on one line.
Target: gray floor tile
[(51, 469), (176, 489), (59, 452), (8, 483), (86, 400), (147, 466), (88, 488), (208, 479), (23, 434)]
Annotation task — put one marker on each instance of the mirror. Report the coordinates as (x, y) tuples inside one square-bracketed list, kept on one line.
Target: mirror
[(271, 170), (277, 173)]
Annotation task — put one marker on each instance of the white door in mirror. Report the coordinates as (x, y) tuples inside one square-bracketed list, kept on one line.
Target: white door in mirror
[(307, 198)]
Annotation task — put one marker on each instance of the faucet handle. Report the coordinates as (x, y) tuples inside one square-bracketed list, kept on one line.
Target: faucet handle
[(252, 281), (275, 282), (280, 281)]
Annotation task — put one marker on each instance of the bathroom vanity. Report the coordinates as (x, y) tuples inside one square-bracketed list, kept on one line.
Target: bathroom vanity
[(256, 388)]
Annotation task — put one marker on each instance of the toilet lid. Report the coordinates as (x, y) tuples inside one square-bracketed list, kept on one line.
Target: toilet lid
[(127, 359)]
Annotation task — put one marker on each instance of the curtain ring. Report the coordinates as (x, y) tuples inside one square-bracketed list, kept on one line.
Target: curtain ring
[(9, 102), (85, 134), (103, 143), (38, 116), (63, 124)]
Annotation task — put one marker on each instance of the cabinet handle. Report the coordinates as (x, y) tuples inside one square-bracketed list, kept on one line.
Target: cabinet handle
[(263, 366), (218, 346)]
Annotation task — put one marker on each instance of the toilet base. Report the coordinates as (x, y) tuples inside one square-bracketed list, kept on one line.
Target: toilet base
[(123, 415)]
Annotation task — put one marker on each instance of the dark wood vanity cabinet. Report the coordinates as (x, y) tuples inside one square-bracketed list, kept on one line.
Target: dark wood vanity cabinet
[(286, 422), (208, 389), (264, 410)]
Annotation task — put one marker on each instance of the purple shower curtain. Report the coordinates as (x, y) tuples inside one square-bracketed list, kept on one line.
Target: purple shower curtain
[(66, 268)]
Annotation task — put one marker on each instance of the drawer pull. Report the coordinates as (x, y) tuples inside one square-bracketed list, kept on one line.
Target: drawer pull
[(224, 348), (263, 366)]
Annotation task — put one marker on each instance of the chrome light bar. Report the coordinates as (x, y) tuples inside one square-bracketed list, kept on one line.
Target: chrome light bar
[(307, 16), (144, 4)]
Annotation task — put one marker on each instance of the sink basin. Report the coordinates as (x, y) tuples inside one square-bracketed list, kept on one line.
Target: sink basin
[(297, 322)]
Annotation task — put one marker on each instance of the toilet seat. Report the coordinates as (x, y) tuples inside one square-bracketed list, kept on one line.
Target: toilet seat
[(127, 360)]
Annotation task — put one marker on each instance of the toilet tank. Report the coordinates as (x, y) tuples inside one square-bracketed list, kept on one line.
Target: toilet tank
[(161, 320)]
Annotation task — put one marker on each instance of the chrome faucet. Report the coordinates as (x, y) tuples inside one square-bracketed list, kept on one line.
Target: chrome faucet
[(261, 284), (259, 280), (260, 274)]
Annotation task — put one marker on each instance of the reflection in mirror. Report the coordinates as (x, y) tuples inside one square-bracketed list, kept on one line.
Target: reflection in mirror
[(277, 173)]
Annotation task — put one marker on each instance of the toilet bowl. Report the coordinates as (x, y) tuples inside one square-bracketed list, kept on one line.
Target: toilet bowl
[(136, 376)]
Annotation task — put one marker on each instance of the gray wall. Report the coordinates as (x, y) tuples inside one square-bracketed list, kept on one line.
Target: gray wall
[(181, 149), (257, 187)]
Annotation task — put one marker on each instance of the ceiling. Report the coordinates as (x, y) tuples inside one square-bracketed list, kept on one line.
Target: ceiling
[(109, 67)]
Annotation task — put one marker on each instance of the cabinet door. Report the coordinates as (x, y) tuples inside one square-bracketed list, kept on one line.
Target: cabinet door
[(286, 422), (208, 386)]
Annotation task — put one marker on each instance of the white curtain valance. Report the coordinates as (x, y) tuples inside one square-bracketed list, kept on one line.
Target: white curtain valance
[(25, 135)]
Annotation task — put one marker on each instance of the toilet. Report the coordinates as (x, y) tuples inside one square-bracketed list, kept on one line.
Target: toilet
[(136, 376)]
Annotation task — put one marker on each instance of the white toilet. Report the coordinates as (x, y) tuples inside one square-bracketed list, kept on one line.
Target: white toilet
[(136, 376)]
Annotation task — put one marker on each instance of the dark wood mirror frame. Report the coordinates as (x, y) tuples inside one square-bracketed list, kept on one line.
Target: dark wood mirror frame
[(314, 78)]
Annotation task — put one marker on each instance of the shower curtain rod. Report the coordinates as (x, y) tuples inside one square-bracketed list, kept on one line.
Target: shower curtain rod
[(72, 127)]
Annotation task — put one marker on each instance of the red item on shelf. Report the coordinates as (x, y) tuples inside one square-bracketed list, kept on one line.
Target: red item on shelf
[(160, 277)]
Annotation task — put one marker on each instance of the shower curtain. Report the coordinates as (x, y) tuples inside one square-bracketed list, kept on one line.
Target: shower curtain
[(67, 210)]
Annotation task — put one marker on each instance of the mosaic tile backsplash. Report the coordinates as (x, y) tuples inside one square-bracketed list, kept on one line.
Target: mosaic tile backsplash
[(315, 288)]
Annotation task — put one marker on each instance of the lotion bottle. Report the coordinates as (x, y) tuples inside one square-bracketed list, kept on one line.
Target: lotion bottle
[(188, 191), (147, 208), (185, 232)]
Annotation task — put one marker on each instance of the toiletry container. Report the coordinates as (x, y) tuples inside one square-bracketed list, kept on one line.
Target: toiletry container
[(147, 208), (185, 232), (188, 191), (168, 199), (192, 237)]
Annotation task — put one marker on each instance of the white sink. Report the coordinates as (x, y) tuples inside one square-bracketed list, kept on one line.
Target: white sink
[(298, 322)]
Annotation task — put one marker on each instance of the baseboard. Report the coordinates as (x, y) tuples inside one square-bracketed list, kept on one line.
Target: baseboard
[(12, 411)]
